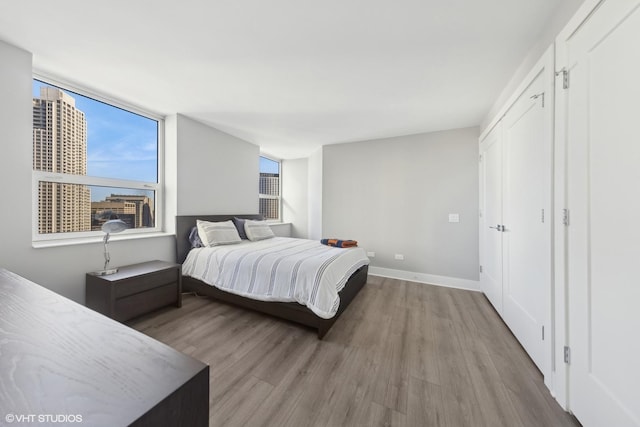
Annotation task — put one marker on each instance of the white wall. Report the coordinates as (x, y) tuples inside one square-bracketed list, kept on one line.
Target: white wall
[(61, 269), (295, 201), (315, 194), (170, 173), (565, 10), (282, 229), (217, 173), (394, 195)]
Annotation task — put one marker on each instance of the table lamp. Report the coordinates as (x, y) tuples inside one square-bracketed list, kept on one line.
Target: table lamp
[(111, 226)]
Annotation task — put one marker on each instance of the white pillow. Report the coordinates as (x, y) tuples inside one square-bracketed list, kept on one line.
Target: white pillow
[(217, 233), (257, 230)]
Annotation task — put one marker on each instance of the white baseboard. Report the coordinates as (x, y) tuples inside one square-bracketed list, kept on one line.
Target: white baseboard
[(431, 279)]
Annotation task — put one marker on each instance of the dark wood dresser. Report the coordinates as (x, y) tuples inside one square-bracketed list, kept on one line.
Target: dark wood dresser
[(135, 289), (61, 359)]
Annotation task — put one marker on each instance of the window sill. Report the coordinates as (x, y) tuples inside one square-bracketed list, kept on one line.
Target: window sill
[(96, 239), (281, 229), (277, 223)]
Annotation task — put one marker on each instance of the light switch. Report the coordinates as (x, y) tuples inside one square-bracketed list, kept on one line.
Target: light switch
[(454, 217)]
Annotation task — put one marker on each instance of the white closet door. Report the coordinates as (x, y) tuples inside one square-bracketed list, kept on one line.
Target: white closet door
[(603, 178), (527, 233), (491, 217)]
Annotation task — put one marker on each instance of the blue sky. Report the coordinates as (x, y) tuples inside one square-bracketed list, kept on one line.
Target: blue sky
[(120, 144), (123, 145), (269, 166)]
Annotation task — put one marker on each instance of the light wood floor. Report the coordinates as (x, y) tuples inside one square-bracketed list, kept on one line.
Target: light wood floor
[(403, 354)]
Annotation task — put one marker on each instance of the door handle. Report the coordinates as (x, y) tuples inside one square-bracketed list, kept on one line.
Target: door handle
[(498, 227)]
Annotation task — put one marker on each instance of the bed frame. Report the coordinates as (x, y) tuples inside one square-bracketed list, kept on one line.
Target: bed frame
[(286, 310)]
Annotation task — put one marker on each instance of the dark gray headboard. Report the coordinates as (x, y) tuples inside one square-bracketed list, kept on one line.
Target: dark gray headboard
[(184, 223)]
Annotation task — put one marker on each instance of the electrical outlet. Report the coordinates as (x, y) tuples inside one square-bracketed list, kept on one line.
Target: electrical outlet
[(399, 257), (371, 254)]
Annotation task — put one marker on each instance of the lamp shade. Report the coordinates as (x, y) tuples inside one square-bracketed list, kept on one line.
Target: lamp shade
[(114, 226), (111, 226)]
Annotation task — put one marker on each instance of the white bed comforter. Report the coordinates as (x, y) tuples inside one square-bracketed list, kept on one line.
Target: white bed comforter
[(278, 269)]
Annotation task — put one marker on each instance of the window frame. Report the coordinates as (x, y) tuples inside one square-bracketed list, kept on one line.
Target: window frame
[(62, 178), (269, 196)]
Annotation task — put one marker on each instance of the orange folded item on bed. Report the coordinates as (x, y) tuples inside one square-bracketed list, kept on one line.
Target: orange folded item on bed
[(339, 243)]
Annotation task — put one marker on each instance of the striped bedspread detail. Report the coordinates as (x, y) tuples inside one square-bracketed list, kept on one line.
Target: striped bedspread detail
[(279, 269)]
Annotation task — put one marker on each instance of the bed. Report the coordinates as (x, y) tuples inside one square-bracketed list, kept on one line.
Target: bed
[(291, 311)]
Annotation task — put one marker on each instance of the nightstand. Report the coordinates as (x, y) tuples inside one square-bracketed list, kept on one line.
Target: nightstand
[(135, 289)]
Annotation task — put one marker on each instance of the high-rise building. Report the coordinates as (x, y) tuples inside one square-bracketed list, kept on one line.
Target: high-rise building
[(144, 208), (60, 145), (270, 183), (270, 186), (102, 212)]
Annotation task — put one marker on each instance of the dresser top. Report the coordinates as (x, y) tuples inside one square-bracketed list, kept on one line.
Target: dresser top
[(59, 357), (132, 270)]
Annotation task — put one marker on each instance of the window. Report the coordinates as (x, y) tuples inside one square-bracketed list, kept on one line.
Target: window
[(269, 188), (92, 161)]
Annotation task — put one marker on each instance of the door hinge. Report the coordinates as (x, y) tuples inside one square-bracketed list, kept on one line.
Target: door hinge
[(480, 269), (565, 77), (567, 355), (480, 159), (565, 217), (542, 216), (543, 333)]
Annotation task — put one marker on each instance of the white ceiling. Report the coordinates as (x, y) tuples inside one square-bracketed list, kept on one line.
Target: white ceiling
[(288, 75)]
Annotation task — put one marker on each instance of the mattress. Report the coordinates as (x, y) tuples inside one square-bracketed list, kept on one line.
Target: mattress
[(278, 269)]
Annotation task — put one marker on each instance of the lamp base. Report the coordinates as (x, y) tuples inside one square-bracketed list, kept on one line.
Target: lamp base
[(106, 272)]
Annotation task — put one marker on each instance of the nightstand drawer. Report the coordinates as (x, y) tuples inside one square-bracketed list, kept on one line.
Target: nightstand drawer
[(143, 283), (144, 302), (135, 289)]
